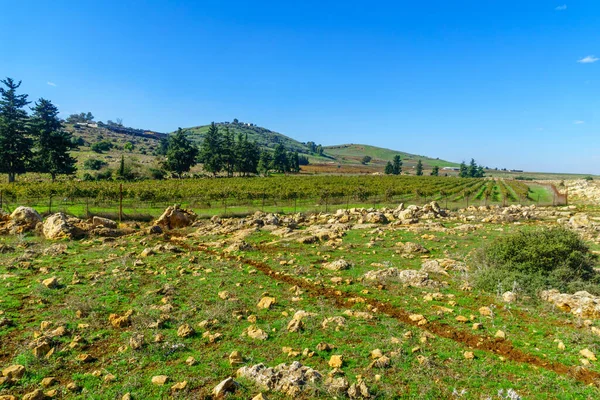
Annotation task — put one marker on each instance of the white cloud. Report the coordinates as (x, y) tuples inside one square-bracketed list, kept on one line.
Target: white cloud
[(579, 122), (561, 8), (588, 60), (52, 84)]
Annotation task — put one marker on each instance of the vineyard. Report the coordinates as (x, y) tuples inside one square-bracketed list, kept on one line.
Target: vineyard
[(281, 193)]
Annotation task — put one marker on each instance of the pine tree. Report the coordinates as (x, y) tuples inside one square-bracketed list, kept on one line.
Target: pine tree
[(463, 171), (15, 146), (51, 143), (293, 162), (419, 168), (280, 161), (397, 164), (211, 150), (472, 169), (228, 152), (389, 168), (121, 172), (264, 164), (435, 171), (181, 153)]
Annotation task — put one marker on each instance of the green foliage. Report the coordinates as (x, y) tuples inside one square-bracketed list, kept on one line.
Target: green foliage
[(389, 168), (589, 178), (181, 153), (419, 168), (536, 260), (129, 146), (397, 165), (280, 161), (471, 171), (265, 163), (94, 164), (365, 160), (15, 146), (102, 146), (211, 151), (80, 118), (435, 171), (52, 143)]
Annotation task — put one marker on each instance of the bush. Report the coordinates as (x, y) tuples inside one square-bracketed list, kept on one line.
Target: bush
[(536, 260), (101, 146), (94, 164)]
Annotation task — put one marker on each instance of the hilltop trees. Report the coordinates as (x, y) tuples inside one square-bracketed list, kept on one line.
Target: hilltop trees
[(81, 118), (52, 143), (181, 153), (471, 171), (15, 146), (211, 150)]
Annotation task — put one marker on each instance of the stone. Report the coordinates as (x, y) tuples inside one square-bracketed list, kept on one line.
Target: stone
[(561, 346), (73, 387), (325, 347), (225, 386), (469, 355), (289, 379), (256, 333), (126, 396), (86, 358), (191, 361), (24, 218), (174, 217), (266, 302), (121, 321), (588, 354), (14, 371), (235, 358), (179, 386), (104, 222), (500, 335), (50, 283), (485, 311), (185, 331), (160, 380), (136, 341), (509, 297), (581, 304), (37, 394), (58, 226), (359, 390), (337, 265), (260, 396), (49, 381), (381, 362), (336, 361), (295, 325)]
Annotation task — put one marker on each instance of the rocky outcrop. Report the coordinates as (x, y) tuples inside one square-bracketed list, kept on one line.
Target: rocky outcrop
[(174, 217), (582, 304), (23, 219), (59, 226), (292, 380)]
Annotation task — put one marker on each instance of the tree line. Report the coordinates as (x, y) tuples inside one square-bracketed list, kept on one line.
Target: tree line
[(32, 143)]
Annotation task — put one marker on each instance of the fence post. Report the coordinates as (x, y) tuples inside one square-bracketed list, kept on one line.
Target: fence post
[(120, 203)]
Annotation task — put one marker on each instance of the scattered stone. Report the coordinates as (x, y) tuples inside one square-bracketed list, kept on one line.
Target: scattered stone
[(185, 331), (581, 304), (588, 354), (14, 371), (49, 381), (256, 333), (336, 361), (469, 355), (235, 358), (59, 226), (337, 265), (500, 335), (37, 394), (485, 311), (174, 217), (160, 380), (50, 283), (121, 321), (509, 297), (136, 341), (73, 387), (227, 385), (179, 386), (266, 302), (291, 380)]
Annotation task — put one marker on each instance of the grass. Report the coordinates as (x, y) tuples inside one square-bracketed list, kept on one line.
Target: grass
[(113, 282)]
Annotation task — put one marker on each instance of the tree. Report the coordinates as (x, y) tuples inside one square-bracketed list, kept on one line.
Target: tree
[(228, 151), (280, 161), (211, 151), (52, 143), (419, 168), (80, 118), (265, 162), (15, 146), (129, 146), (463, 171), (365, 160), (472, 168), (94, 164), (389, 168), (293, 162), (397, 164), (435, 171), (181, 153)]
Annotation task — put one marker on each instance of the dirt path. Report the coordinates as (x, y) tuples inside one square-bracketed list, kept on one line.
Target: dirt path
[(493, 345)]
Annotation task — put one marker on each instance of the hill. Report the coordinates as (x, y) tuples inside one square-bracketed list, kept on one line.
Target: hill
[(354, 153)]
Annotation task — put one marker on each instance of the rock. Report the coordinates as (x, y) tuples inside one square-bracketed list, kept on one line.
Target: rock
[(337, 265), (337, 386), (469, 355), (120, 321), (37, 394), (580, 221), (7, 396), (235, 358), (58, 226), (295, 325), (325, 347), (191, 361), (86, 358), (500, 335), (266, 302), (24, 219), (561, 346), (381, 362), (104, 222), (126, 396), (359, 390), (73, 387), (336, 361), (225, 386), (179, 386), (154, 230), (174, 217), (14, 371), (50, 283), (136, 341), (434, 267), (411, 248), (408, 277), (290, 380), (55, 250), (509, 297), (160, 380), (485, 311), (260, 396), (256, 333), (185, 331), (581, 304), (588, 354), (49, 381)]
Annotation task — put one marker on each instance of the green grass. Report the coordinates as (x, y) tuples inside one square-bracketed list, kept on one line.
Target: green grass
[(357, 151)]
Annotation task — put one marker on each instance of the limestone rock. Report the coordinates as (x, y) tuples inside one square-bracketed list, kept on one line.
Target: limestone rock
[(336, 361), (160, 380), (266, 302), (185, 331), (14, 371), (337, 265), (225, 386), (59, 226), (174, 217), (24, 219)]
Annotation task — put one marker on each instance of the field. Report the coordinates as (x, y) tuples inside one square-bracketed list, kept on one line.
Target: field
[(263, 286)]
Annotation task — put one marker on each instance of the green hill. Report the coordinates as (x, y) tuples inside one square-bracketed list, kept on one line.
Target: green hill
[(354, 153)]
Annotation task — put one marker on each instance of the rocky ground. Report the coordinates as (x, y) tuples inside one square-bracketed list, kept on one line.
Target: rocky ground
[(358, 303)]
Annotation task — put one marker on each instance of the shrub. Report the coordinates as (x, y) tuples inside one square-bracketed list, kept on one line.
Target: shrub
[(101, 146), (536, 260), (94, 164)]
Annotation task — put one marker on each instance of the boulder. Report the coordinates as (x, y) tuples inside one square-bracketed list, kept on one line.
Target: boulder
[(175, 217), (24, 219), (105, 222), (292, 380), (59, 226), (337, 265)]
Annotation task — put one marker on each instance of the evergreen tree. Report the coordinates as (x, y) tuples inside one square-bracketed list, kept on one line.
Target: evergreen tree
[(211, 150), (419, 168), (228, 152), (389, 168), (181, 153), (264, 164), (472, 169), (280, 160), (397, 164), (435, 171), (480, 172), (463, 171), (15, 146), (51, 143), (293, 162), (121, 172)]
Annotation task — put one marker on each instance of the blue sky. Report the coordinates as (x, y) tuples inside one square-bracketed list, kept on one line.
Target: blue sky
[(512, 83)]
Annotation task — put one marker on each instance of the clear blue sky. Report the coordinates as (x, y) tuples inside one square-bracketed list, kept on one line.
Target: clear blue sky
[(513, 83)]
